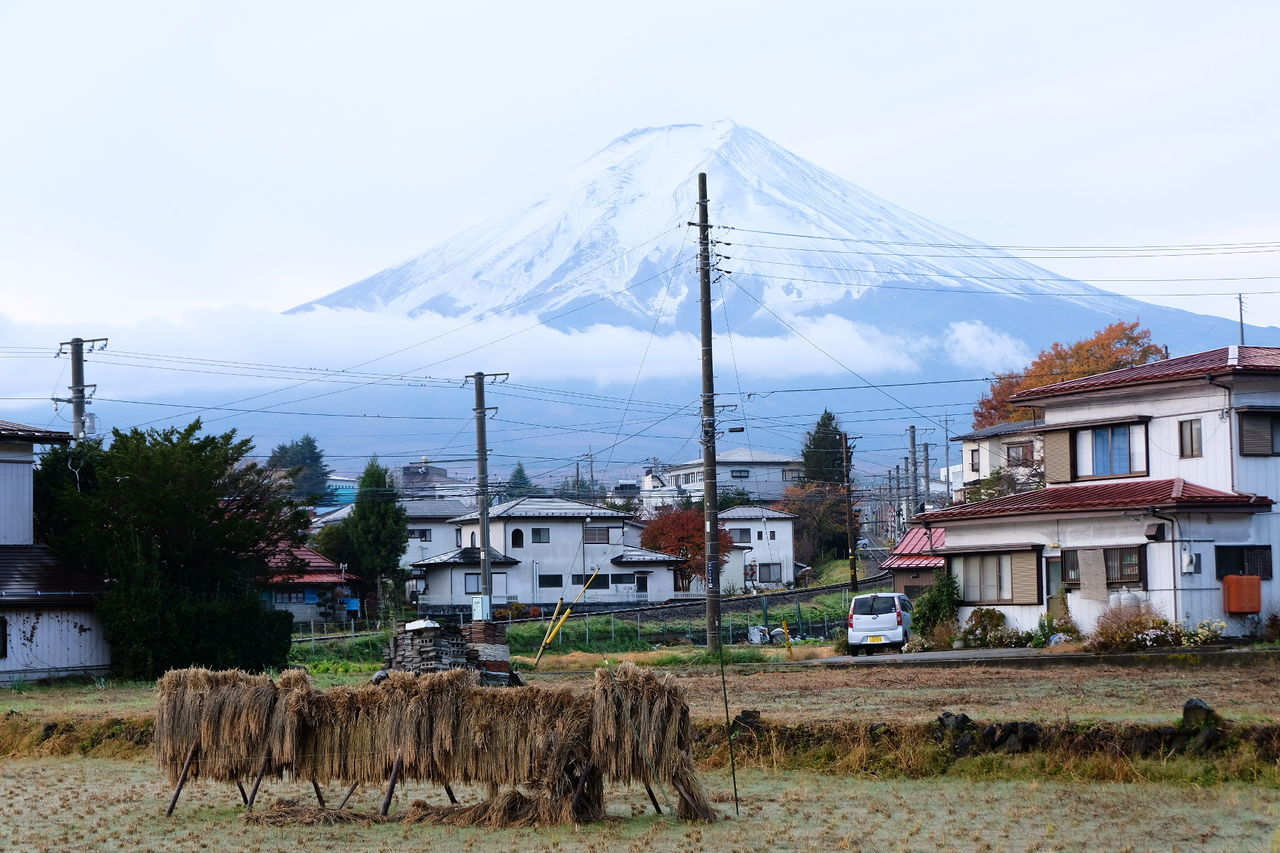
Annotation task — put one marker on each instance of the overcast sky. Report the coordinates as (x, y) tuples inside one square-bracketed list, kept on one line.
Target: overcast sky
[(172, 173), (163, 157)]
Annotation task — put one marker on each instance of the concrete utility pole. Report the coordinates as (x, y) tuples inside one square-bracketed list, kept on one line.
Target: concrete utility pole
[(913, 465), (850, 535), (928, 481), (711, 514), (484, 612), (946, 450), (77, 386)]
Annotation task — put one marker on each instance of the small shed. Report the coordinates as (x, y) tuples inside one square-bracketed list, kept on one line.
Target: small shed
[(915, 558)]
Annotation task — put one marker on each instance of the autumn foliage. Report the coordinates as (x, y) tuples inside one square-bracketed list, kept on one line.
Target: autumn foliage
[(679, 532), (1117, 346)]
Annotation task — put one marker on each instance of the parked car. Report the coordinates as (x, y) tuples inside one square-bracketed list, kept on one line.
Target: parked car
[(879, 620)]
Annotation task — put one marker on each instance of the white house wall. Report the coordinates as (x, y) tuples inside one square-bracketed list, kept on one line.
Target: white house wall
[(15, 493), (52, 643), (780, 549)]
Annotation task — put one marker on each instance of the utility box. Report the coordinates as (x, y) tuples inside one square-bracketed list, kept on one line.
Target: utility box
[(1242, 594)]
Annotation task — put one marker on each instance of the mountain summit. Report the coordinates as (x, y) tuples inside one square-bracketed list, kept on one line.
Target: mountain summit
[(612, 244)]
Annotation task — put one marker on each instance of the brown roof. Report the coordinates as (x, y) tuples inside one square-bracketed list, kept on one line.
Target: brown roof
[(33, 574), (9, 431), (914, 551), (1215, 362), (1136, 494), (319, 569)]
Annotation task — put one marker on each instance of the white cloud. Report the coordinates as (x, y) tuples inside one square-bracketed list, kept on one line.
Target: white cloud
[(974, 344)]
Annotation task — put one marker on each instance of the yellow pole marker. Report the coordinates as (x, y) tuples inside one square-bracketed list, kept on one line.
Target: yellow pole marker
[(556, 626), (786, 633)]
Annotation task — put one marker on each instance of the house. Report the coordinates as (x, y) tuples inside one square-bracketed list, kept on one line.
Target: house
[(431, 532), (48, 627), (765, 476), (1160, 483), (431, 481), (321, 592), (915, 558), (542, 549), (763, 555), (1016, 448)]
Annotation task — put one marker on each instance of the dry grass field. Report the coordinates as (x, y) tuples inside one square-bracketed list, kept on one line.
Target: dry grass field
[(68, 803)]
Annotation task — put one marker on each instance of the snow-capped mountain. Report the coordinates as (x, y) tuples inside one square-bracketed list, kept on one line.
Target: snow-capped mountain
[(612, 243)]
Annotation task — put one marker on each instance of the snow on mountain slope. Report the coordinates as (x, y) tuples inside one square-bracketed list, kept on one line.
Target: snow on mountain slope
[(616, 228)]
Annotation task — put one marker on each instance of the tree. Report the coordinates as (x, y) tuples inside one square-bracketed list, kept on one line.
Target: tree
[(1005, 481), (1117, 346), (823, 451), (184, 532), (334, 542), (729, 498), (820, 532), (304, 461), (519, 485), (679, 532), (377, 529)]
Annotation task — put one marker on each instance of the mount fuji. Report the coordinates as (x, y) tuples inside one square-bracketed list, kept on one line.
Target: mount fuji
[(612, 244)]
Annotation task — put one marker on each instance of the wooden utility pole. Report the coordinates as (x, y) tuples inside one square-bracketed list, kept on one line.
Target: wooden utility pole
[(482, 499), (850, 534), (77, 387), (711, 513)]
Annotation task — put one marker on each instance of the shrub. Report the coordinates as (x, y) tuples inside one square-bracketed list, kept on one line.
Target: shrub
[(982, 622), (1131, 628), (937, 604), (943, 633), (1271, 629), (917, 643), (1206, 633), (1049, 625), (1008, 638), (841, 642)]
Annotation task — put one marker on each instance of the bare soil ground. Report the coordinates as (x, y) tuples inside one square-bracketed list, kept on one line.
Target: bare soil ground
[(986, 693), (64, 803)]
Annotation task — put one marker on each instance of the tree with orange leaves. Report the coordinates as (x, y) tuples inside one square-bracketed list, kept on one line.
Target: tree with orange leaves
[(679, 532), (1118, 345)]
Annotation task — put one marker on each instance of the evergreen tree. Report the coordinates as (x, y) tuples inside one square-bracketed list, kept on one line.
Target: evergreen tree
[(304, 461), (823, 452), (519, 485), (185, 533), (377, 529)]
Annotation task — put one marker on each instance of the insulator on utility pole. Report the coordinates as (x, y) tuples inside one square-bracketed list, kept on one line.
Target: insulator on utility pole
[(78, 398), (711, 515)]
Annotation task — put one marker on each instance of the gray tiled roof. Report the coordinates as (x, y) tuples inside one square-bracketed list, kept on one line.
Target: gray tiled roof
[(746, 513), (10, 431), (1008, 428), (536, 507)]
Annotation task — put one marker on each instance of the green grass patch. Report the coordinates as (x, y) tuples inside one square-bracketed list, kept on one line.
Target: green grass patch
[(332, 655)]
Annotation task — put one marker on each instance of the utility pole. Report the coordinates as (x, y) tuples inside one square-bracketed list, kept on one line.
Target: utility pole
[(711, 513), (484, 612), (850, 535), (928, 481), (913, 466), (900, 497), (946, 450), (1240, 303), (77, 386)]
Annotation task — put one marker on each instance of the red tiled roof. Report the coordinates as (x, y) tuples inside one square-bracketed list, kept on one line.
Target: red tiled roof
[(1223, 360), (913, 552), (319, 570), (1137, 494)]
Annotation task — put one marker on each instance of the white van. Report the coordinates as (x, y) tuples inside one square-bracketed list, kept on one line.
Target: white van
[(877, 620)]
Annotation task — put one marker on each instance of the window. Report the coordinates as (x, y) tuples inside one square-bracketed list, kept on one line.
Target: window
[(1243, 560), (973, 460), (985, 577), (740, 534), (1111, 451), (471, 584), (770, 573), (540, 535), (550, 581), (1019, 455), (773, 534), (1259, 434), (791, 474), (623, 579), (875, 605), (457, 537), (596, 536), (517, 538), (601, 581), (1189, 443), (290, 597), (1070, 568), (1124, 565), (739, 473), (760, 535), (473, 539)]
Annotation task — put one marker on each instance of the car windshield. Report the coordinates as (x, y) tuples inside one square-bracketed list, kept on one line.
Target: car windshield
[(873, 605)]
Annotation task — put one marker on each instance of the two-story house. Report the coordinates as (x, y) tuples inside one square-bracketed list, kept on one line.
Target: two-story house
[(48, 626), (1016, 448), (542, 549), (1159, 480), (763, 555), (763, 475)]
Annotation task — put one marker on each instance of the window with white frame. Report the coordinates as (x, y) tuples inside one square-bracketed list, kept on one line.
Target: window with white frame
[(984, 578), (1111, 451), (974, 464)]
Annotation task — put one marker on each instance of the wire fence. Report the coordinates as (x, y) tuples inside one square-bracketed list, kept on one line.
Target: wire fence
[(813, 613)]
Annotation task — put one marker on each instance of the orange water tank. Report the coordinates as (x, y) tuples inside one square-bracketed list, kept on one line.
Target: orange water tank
[(1242, 594)]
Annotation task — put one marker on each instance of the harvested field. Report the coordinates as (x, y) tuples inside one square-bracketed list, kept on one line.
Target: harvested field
[(918, 694), (60, 803)]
